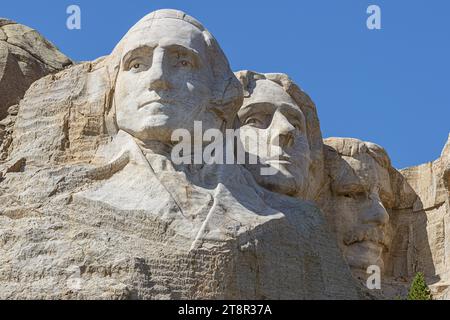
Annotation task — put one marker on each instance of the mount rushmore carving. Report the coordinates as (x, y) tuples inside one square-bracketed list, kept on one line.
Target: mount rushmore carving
[(92, 204)]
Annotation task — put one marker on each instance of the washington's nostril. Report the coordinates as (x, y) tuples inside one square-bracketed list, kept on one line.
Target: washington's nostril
[(158, 84), (158, 81)]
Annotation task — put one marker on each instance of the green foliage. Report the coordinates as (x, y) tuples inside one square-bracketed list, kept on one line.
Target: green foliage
[(419, 289)]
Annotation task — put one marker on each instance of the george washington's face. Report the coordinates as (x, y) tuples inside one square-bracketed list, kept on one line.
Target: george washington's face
[(165, 80), (273, 127)]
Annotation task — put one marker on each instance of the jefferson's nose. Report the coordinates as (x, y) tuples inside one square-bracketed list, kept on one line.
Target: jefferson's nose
[(157, 79), (282, 130), (375, 213)]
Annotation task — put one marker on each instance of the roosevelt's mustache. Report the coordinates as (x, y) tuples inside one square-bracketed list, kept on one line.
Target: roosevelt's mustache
[(373, 234)]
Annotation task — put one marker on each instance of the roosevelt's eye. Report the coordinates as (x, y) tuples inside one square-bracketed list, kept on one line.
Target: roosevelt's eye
[(354, 195)]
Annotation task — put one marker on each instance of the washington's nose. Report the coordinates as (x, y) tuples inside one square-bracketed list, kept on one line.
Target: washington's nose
[(375, 213), (283, 130), (157, 79)]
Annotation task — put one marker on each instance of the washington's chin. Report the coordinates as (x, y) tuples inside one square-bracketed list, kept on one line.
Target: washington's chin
[(153, 122), (158, 127), (361, 255)]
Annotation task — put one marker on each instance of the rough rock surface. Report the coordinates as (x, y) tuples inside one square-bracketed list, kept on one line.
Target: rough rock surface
[(427, 227), (25, 56), (88, 214), (63, 236), (90, 210)]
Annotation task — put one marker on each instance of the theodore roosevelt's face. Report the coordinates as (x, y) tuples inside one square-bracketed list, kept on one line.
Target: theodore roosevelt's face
[(273, 118), (164, 82), (362, 196)]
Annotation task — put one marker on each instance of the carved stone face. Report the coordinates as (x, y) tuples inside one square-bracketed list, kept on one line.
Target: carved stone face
[(272, 116), (164, 82), (361, 196)]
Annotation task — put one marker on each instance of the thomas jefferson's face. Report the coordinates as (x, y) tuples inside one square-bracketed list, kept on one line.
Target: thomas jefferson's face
[(361, 195), (165, 80), (272, 116)]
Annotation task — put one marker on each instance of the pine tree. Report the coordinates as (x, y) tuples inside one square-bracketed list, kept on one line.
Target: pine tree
[(419, 289)]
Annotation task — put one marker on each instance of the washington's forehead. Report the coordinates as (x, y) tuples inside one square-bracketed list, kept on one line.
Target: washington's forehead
[(267, 91), (164, 32)]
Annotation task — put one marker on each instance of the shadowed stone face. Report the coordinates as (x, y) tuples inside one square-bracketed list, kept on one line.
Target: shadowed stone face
[(270, 115), (361, 196), (165, 80)]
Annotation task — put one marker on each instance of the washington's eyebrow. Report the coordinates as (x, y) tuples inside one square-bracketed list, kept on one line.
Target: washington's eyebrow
[(173, 47), (133, 52), (185, 50)]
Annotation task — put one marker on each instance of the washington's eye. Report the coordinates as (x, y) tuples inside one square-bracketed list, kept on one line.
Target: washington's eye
[(184, 63), (136, 66)]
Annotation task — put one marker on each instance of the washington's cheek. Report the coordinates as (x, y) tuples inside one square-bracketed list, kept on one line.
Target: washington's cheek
[(192, 90), (126, 97)]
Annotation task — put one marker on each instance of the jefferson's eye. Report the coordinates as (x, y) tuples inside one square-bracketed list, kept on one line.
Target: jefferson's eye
[(136, 66), (252, 121)]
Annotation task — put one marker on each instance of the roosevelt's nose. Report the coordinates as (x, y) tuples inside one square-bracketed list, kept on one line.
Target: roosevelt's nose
[(375, 213), (157, 74), (283, 132)]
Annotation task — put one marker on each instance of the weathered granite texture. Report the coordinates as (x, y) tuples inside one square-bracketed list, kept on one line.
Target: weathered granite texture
[(25, 56), (93, 207), (426, 228)]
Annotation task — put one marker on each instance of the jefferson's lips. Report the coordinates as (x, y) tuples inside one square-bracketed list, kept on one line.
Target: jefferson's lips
[(161, 101)]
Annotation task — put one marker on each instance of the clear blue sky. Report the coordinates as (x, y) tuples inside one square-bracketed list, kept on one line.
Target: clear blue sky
[(390, 86)]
